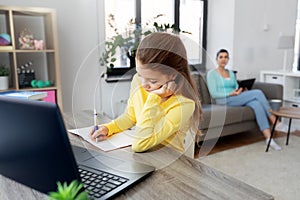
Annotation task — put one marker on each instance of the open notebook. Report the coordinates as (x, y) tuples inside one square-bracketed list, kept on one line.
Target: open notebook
[(115, 141)]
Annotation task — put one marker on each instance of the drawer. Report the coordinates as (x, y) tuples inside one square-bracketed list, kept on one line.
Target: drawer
[(292, 104), (278, 79), (295, 122)]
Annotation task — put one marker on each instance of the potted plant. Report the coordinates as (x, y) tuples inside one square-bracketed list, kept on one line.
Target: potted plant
[(4, 77), (69, 192), (125, 43), (130, 39)]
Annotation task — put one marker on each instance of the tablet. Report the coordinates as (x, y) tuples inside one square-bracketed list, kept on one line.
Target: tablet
[(247, 83)]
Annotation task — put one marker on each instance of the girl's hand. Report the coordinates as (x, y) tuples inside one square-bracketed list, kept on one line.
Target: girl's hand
[(236, 92), (100, 134), (166, 90)]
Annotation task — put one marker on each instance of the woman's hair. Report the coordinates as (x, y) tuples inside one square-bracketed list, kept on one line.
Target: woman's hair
[(166, 53), (222, 51)]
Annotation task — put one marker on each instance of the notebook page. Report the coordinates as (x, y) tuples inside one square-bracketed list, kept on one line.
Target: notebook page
[(116, 141)]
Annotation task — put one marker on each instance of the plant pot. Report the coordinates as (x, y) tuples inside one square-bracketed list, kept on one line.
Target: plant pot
[(4, 82)]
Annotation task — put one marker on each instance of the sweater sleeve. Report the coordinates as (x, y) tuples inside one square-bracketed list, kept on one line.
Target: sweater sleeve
[(155, 125), (128, 118)]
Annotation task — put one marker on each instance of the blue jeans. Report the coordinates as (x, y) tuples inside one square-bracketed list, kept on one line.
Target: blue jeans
[(254, 99)]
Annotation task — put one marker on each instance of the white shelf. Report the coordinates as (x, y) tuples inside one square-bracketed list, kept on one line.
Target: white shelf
[(290, 81)]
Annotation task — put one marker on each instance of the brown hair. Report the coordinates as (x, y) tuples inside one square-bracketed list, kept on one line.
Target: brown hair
[(222, 51), (166, 53)]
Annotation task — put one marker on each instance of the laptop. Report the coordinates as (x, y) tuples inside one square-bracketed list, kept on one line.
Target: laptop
[(35, 151), (247, 83)]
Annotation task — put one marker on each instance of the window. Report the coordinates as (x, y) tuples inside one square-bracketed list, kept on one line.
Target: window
[(188, 15), (153, 8), (192, 11)]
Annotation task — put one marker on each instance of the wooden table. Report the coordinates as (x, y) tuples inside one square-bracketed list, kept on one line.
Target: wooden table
[(176, 177), (287, 112)]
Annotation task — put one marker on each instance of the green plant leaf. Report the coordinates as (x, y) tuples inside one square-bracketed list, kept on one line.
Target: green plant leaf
[(131, 39), (4, 71), (69, 192), (82, 196)]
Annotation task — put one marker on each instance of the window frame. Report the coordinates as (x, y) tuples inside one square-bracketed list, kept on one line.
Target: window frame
[(138, 19)]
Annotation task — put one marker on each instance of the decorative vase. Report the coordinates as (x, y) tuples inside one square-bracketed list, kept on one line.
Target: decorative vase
[(4, 82), (131, 56)]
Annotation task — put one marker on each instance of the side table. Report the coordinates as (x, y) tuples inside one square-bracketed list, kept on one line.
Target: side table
[(287, 112)]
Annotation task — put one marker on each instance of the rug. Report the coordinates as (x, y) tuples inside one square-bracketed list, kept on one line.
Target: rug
[(275, 172)]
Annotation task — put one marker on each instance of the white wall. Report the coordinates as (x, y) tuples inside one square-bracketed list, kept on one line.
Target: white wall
[(220, 28), (251, 37), (257, 34), (79, 22)]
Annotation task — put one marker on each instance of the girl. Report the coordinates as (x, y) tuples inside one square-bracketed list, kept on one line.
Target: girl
[(163, 102), (223, 87)]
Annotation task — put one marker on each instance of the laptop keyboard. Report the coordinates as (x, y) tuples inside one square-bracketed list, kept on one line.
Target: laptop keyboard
[(99, 183)]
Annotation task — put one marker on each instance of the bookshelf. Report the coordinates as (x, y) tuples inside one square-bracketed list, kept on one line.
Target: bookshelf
[(44, 62)]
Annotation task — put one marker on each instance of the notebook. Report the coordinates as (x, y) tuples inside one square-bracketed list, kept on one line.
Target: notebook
[(33, 95), (35, 151), (247, 83)]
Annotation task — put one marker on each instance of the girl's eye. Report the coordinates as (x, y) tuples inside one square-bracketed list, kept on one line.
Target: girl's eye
[(153, 82)]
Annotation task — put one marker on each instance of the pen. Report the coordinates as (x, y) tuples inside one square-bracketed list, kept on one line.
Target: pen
[(95, 122)]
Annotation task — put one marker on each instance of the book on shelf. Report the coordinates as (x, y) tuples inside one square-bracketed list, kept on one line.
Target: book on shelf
[(6, 48), (33, 95)]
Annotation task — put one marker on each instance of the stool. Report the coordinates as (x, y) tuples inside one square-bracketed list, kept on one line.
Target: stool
[(287, 112)]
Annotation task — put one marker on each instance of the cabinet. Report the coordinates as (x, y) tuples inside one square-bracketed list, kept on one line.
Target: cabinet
[(43, 62), (291, 88), (289, 80)]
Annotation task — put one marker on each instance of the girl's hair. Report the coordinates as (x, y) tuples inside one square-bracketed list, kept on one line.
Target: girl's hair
[(222, 51), (166, 53)]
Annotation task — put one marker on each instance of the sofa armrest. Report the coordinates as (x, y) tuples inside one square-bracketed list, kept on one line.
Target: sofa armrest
[(271, 90)]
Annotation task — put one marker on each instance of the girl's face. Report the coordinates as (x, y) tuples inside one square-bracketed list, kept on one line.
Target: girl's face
[(151, 79), (222, 59)]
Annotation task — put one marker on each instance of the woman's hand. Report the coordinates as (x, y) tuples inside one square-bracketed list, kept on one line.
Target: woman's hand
[(166, 90), (100, 134), (236, 92)]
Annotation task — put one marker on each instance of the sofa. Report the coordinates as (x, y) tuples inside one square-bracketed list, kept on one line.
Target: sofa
[(222, 120)]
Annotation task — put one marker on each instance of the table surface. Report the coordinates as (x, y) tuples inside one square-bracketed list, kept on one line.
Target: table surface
[(288, 112), (176, 176)]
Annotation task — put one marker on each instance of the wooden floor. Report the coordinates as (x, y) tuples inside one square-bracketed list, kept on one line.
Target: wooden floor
[(238, 140)]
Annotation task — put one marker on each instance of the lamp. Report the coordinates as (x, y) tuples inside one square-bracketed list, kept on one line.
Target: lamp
[(285, 42)]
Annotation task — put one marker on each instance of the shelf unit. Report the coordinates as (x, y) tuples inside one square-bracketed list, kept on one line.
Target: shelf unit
[(41, 23), (291, 87)]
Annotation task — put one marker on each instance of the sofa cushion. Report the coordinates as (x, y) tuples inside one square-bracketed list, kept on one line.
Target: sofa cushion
[(222, 115), (204, 94)]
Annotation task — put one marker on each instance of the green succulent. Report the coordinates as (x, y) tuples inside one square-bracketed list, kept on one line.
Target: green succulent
[(4, 71), (73, 191)]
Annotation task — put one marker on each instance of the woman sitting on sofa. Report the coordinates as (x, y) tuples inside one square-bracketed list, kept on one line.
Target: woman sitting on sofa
[(223, 87)]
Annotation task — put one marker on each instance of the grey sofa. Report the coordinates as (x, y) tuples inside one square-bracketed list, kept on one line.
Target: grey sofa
[(222, 120)]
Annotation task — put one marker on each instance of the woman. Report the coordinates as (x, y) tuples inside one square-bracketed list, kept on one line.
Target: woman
[(163, 102), (223, 87)]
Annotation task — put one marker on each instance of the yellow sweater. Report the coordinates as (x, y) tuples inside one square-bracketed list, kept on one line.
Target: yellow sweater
[(156, 123)]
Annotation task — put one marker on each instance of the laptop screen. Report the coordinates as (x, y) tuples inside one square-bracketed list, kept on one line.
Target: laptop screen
[(34, 147), (35, 150)]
